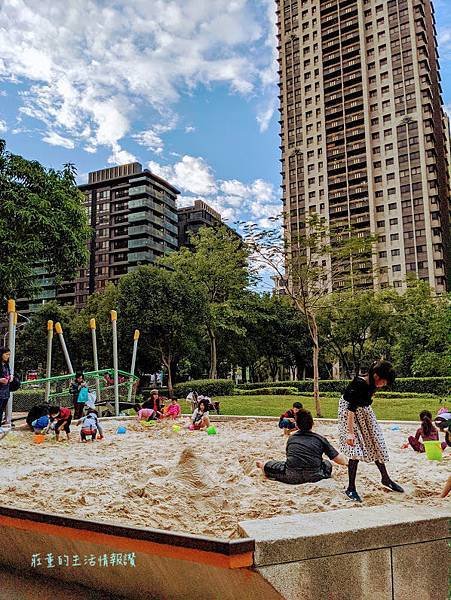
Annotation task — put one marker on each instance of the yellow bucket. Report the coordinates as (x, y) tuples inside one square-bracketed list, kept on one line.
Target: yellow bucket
[(433, 450)]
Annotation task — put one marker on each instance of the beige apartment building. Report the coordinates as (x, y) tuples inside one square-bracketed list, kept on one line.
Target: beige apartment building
[(363, 135)]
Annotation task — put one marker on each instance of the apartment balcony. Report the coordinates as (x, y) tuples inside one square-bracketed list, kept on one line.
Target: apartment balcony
[(139, 190), (153, 218), (349, 27), (334, 114), (170, 213), (138, 216), (159, 208), (337, 183), (145, 256), (332, 60), (171, 227), (141, 203), (145, 243), (140, 230)]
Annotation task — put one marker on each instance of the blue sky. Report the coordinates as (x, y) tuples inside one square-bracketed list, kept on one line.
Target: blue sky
[(187, 87)]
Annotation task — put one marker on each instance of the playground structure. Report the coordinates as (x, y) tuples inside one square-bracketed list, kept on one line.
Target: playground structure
[(56, 391)]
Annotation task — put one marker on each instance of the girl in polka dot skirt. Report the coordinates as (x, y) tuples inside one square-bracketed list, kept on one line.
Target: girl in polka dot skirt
[(360, 435)]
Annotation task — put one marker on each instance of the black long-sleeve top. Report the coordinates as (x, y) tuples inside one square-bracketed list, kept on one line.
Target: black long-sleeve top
[(358, 393)]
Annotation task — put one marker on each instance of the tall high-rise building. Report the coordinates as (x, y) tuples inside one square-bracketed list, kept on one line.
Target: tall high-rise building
[(363, 134), (134, 221)]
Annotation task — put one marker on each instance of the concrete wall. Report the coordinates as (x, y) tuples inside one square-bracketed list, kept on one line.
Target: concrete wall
[(355, 554)]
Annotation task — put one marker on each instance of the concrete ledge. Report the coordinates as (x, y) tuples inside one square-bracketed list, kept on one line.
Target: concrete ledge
[(315, 535)]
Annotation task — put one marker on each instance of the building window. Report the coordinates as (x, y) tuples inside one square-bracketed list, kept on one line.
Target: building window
[(396, 268)]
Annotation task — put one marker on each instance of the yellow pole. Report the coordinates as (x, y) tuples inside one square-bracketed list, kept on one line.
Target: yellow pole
[(48, 372), (132, 368), (115, 361), (92, 325), (12, 322)]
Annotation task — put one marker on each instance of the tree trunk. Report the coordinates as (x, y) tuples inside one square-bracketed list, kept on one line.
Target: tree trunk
[(167, 363), (213, 369), (315, 340)]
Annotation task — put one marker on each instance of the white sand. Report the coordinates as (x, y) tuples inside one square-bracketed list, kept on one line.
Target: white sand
[(193, 482)]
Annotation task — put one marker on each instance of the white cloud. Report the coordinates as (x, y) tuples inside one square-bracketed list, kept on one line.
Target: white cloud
[(150, 140), (120, 156), (234, 188), (89, 68), (54, 139), (3, 126), (190, 129), (191, 174)]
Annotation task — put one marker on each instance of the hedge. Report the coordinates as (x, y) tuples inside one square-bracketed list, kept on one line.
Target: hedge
[(268, 391), (207, 387), (439, 386)]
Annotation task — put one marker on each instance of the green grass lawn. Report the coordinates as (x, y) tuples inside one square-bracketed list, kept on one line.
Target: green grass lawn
[(398, 409)]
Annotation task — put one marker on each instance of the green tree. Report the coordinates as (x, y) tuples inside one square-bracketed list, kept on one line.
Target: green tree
[(356, 328), (307, 265), (167, 310), (423, 332), (217, 269), (42, 221)]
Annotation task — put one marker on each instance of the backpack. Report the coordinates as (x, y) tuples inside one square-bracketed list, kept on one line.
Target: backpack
[(83, 395)]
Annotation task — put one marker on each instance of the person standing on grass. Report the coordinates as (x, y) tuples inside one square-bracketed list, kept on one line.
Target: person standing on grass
[(360, 435), (5, 380)]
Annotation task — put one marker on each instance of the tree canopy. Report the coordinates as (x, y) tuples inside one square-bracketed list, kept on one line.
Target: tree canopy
[(42, 222)]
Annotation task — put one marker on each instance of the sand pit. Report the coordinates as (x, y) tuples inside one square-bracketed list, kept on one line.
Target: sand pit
[(193, 482)]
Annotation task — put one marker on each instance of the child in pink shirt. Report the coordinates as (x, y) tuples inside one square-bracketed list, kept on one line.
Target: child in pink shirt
[(173, 411)]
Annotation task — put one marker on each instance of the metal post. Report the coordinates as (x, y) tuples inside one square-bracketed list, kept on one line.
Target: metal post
[(115, 361), (12, 322), (48, 371), (92, 325), (59, 331), (132, 368)]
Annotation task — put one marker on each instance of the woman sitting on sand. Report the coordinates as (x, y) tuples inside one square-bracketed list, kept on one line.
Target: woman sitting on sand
[(305, 451), (200, 419)]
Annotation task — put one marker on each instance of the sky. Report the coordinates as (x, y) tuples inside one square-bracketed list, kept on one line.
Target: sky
[(186, 87)]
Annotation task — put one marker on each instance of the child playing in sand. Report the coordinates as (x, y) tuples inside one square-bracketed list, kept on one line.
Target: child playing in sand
[(287, 421), (305, 449), (144, 414), (63, 418), (173, 411), (200, 419), (427, 432), (90, 425), (360, 435), (41, 424)]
